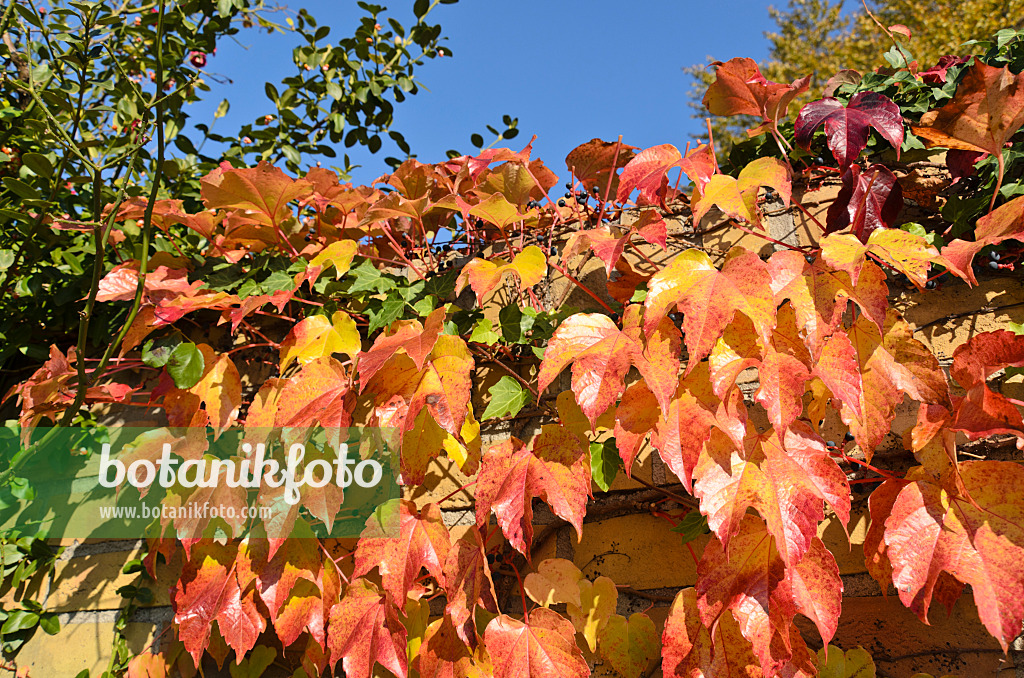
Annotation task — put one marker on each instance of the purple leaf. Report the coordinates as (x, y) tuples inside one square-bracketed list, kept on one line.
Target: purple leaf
[(868, 200), (846, 128)]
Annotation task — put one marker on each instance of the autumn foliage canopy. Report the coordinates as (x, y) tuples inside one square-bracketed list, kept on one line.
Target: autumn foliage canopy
[(316, 303)]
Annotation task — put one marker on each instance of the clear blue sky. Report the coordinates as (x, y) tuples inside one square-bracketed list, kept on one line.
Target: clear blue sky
[(569, 70)]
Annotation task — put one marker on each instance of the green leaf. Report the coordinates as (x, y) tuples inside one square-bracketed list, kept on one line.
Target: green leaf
[(255, 663), (50, 623), (156, 352), (442, 286), (186, 365), (20, 188), (366, 278), (484, 333), (507, 398), (389, 312), (19, 620), (692, 526), (516, 323), (933, 239), (604, 463), (38, 163), (6, 259)]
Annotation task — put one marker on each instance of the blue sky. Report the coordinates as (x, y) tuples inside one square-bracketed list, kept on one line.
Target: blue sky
[(569, 70)]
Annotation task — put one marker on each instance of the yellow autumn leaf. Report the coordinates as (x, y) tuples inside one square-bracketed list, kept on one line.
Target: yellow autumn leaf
[(483, 275), (598, 601), (318, 336)]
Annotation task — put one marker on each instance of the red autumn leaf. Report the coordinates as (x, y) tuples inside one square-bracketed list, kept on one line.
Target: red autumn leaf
[(543, 646), (288, 586), (691, 279), (906, 252), (422, 542), (936, 75), (209, 591), (737, 349), (260, 194), (886, 364), (635, 417), (364, 630), (1004, 223), (983, 412), (317, 395), (868, 200), (683, 428), (752, 580), (442, 388), (591, 163), (786, 478), (162, 283), (820, 295), (468, 583), (606, 245), (879, 508), (987, 109), (147, 665), (555, 468), (740, 89), (689, 649), (929, 532), (415, 339), (219, 389), (623, 281), (846, 127), (601, 355), (782, 378), (652, 228), (647, 171), (699, 165)]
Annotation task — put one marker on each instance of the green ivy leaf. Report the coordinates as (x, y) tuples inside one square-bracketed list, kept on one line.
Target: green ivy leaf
[(483, 333), (385, 314), (692, 526), (507, 398), (604, 463), (516, 323)]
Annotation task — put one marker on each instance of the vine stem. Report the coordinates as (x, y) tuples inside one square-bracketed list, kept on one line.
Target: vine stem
[(455, 492), (685, 501), (884, 474), (765, 237), (522, 592), (511, 372), (693, 554), (576, 282), (794, 201), (611, 175)]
